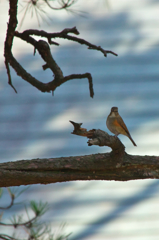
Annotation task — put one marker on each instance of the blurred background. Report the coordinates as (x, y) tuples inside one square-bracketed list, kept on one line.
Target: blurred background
[(36, 125)]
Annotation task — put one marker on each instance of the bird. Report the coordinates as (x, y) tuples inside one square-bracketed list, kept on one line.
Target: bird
[(116, 124)]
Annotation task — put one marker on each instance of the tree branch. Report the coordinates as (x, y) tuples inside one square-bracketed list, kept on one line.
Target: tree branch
[(116, 165), (12, 201), (90, 167), (44, 51), (64, 34), (100, 138), (9, 38)]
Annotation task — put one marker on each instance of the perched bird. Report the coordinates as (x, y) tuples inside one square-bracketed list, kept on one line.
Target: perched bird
[(116, 124)]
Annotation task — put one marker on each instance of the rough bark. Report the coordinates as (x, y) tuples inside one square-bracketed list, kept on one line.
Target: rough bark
[(91, 167), (116, 165)]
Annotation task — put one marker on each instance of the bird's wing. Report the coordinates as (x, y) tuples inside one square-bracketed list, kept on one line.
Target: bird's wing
[(123, 125)]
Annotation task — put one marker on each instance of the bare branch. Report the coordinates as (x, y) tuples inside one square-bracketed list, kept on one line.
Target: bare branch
[(79, 76), (9, 38), (9, 76), (45, 52), (64, 34), (99, 138), (116, 165), (103, 166)]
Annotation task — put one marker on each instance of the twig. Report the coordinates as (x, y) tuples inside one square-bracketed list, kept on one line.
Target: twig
[(7, 237), (65, 5), (79, 76), (9, 76), (12, 201), (20, 224), (64, 34)]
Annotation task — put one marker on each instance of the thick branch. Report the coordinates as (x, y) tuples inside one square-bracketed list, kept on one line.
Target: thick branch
[(90, 167), (116, 165)]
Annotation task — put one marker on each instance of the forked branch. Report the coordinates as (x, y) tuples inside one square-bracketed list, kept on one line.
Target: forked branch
[(100, 138), (44, 50)]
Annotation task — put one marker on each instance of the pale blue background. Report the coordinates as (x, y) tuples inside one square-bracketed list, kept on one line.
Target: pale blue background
[(36, 125)]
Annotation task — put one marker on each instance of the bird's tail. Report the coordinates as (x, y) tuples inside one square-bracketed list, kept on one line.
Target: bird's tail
[(132, 140)]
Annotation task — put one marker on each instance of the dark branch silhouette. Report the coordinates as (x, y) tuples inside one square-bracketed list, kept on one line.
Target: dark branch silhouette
[(45, 53)]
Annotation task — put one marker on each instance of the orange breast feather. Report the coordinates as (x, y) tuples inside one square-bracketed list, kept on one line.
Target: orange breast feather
[(121, 127), (116, 123)]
